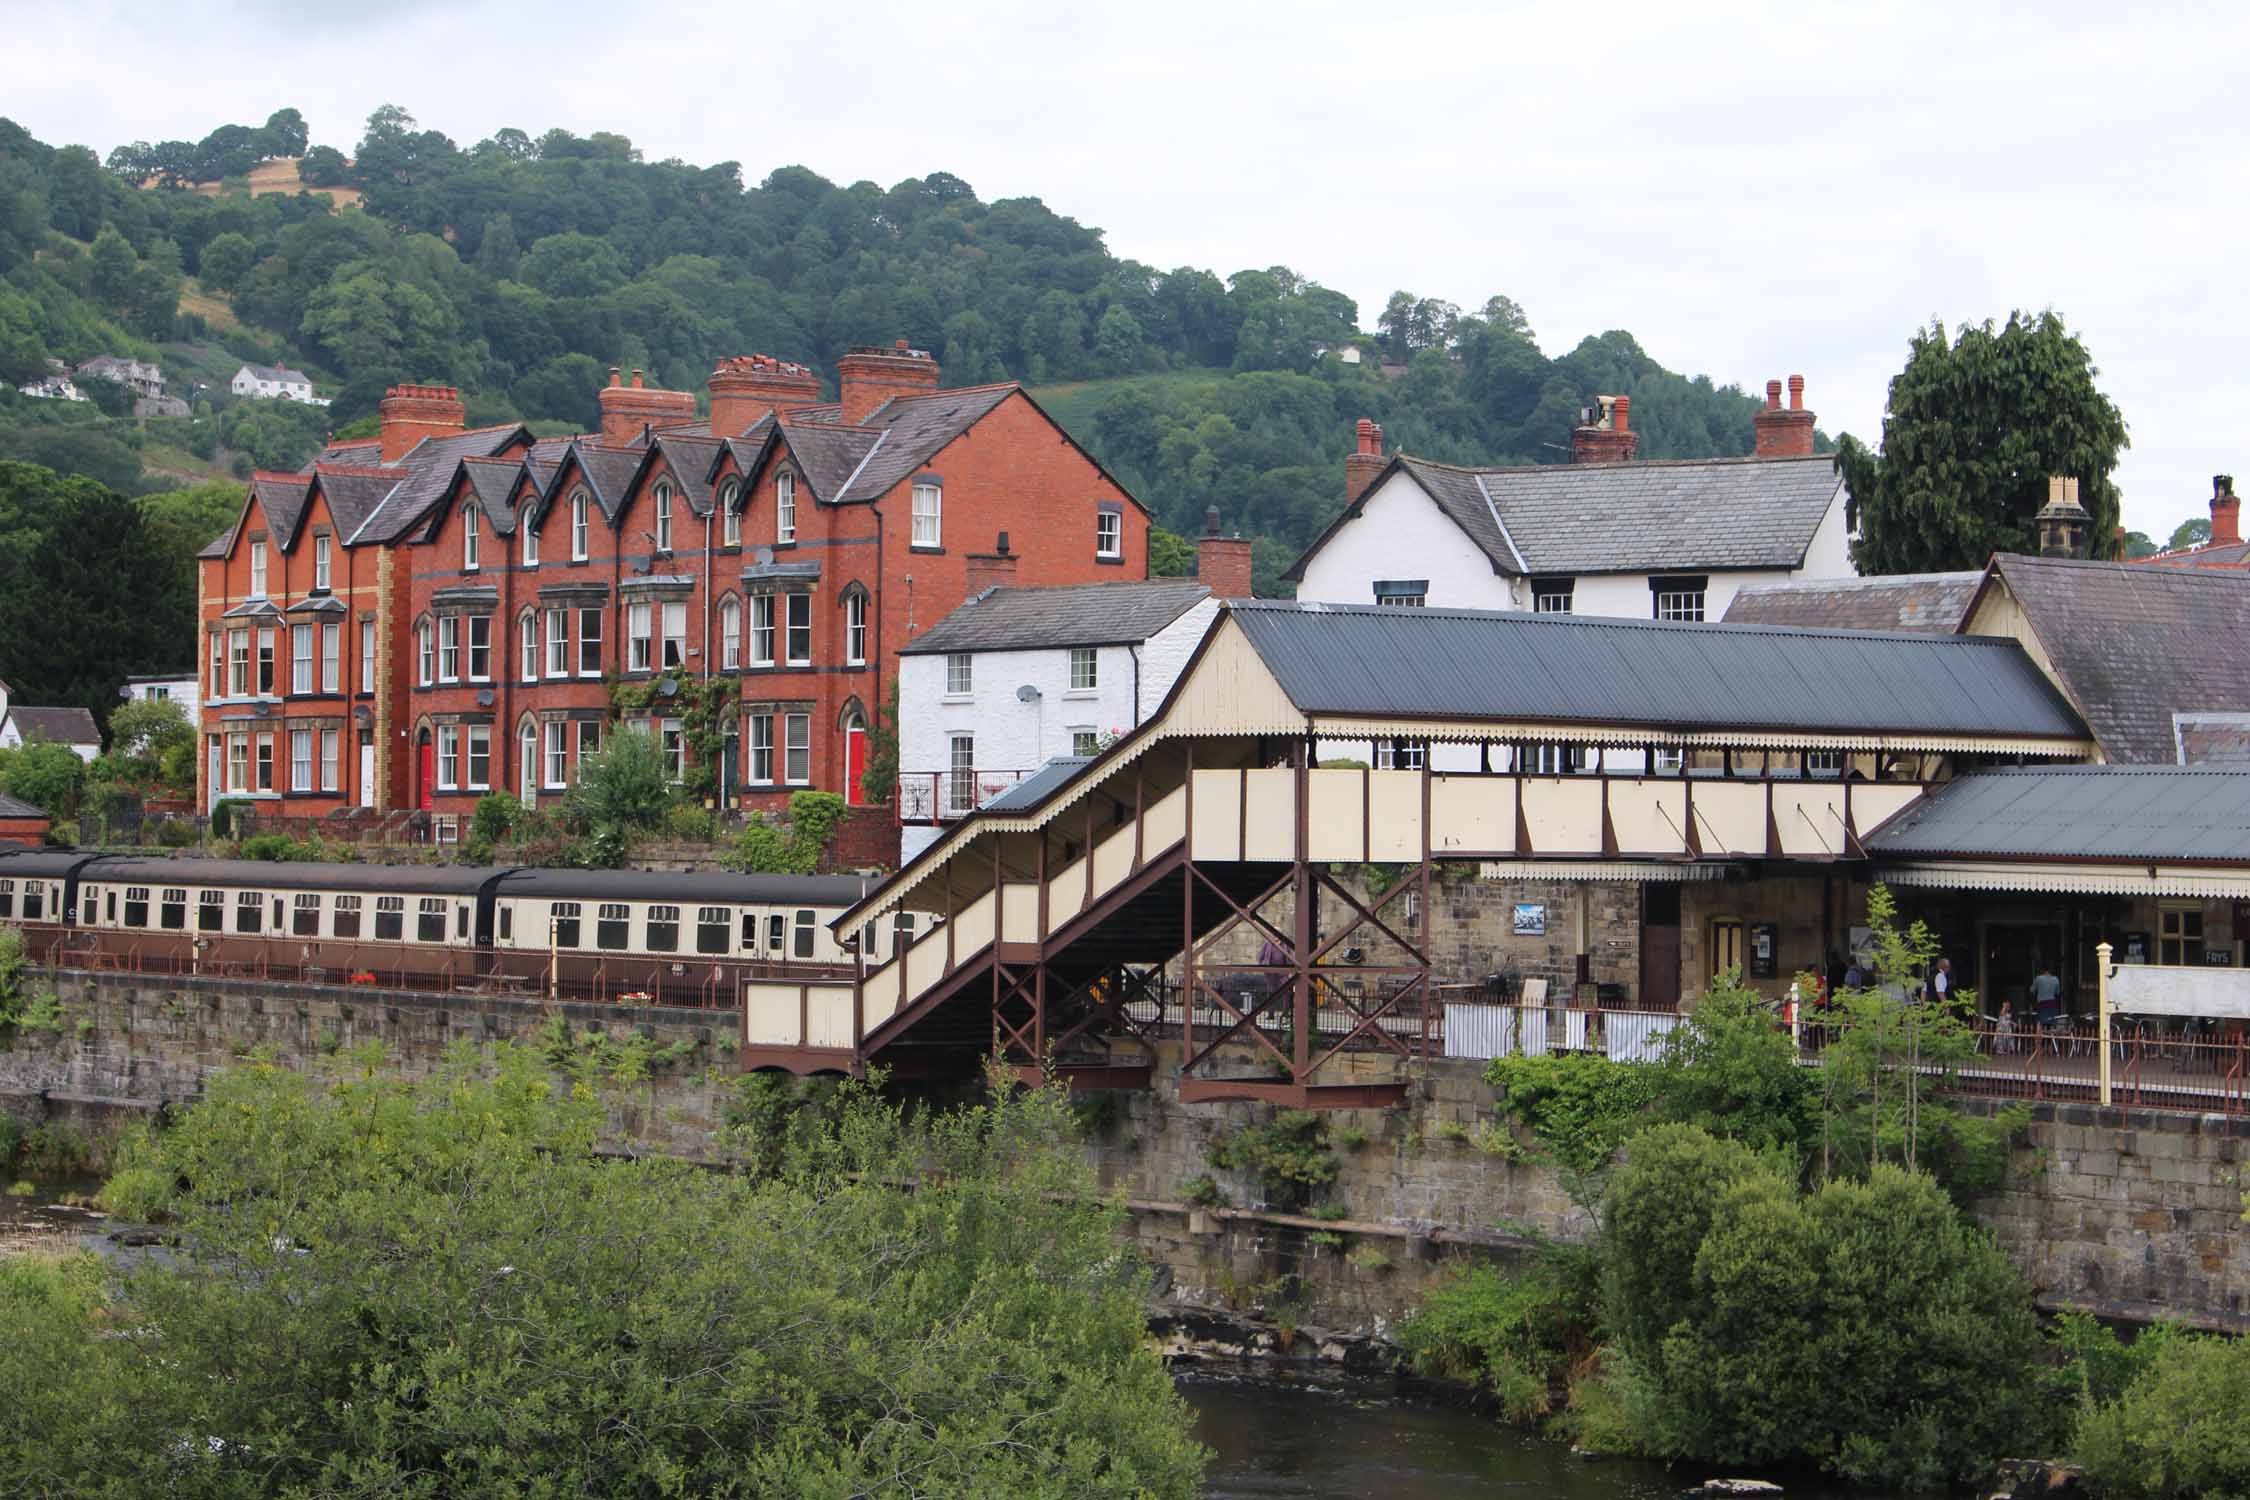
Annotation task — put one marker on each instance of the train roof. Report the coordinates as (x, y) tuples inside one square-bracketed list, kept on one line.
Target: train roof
[(684, 886), (37, 863), (294, 875)]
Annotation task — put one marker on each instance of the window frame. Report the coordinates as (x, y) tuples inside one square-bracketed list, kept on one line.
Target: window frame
[(301, 658), (472, 540), (785, 508), (796, 746), (730, 634), (761, 630), (480, 648), (1109, 534), (323, 568), (758, 765), (661, 502), (730, 514), (797, 629), (960, 674), (1085, 669), (332, 657), (855, 629), (578, 526), (590, 642), (926, 516)]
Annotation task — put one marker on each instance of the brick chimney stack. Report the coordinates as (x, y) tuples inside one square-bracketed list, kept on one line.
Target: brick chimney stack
[(1608, 436), (994, 569), (2226, 511), (871, 375), (626, 409), (410, 413), (1784, 432), (747, 386), (1364, 462), (1222, 563)]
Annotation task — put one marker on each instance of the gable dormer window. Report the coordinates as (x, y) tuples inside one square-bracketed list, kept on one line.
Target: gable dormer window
[(578, 526), (663, 518), (1554, 595), (469, 539), (730, 515), (1678, 596), (785, 507), (258, 570), (530, 538), (321, 572)]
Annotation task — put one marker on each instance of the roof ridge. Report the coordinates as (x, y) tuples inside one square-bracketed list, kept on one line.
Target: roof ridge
[(1629, 463), (1545, 620)]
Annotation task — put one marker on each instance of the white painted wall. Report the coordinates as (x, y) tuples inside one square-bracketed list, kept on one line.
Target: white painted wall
[(11, 737), (1015, 735), (1401, 533), (185, 691)]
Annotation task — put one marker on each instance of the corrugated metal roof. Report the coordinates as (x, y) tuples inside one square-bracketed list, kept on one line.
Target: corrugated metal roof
[(1455, 663), (2079, 812), (1033, 789), (1071, 614)]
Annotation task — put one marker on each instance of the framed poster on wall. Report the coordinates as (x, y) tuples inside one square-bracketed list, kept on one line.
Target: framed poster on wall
[(1765, 946), (1530, 919)]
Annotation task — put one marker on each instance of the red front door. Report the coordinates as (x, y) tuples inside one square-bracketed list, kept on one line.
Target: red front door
[(855, 765), (425, 777)]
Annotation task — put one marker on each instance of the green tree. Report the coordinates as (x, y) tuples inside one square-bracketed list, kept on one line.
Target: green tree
[(625, 786), (225, 261), (498, 254), (46, 775), (146, 733), (2193, 532), (179, 524), (442, 1288), (1170, 555), (112, 266), (1972, 431), (2177, 1431)]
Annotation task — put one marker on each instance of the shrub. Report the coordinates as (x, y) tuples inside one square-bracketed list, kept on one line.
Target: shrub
[(224, 815), (2178, 1430), (688, 824), (1731, 1070), (1288, 1155), (273, 846), (1518, 1334), (175, 833), (495, 814), (1867, 1327), (1580, 1109)]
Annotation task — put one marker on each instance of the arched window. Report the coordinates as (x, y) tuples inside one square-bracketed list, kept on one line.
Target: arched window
[(785, 507), (530, 536), (663, 517), (730, 515), (730, 634), (578, 526), (527, 632), (855, 626), (425, 653), (469, 538)]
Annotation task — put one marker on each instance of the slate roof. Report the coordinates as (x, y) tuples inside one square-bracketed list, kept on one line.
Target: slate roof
[(692, 459), (2078, 812), (2134, 645), (1033, 789), (281, 498), (914, 428), (828, 457), (1918, 603), (2212, 739), (426, 471), (1075, 614), (16, 811), (61, 726), (494, 482), (354, 494), (1455, 663), (1674, 516), (2226, 555), (280, 374), (356, 451)]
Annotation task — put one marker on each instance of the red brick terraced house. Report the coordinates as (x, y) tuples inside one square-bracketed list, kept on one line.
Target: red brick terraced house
[(496, 588)]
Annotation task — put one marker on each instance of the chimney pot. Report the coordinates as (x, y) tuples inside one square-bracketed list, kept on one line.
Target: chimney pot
[(1622, 414), (1365, 461), (2226, 512), (637, 380), (1773, 395), (1779, 432), (1210, 520), (614, 379), (869, 376), (1796, 393)]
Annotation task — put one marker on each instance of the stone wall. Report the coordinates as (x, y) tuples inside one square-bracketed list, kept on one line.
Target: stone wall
[(2135, 1213), (134, 1045)]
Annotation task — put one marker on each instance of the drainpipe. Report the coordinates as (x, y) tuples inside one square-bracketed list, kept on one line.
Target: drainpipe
[(1135, 653)]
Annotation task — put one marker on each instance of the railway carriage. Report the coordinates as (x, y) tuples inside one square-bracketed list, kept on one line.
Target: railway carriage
[(643, 936)]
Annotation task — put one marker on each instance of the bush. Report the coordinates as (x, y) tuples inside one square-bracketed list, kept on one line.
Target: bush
[(1867, 1327), (2178, 1430), (1730, 1069), (688, 824), (224, 816), (1518, 1334), (1580, 1109), (496, 813), (1288, 1155), (176, 833), (276, 846)]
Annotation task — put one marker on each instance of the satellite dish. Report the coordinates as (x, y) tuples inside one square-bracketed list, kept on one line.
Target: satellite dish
[(1027, 694), (764, 556), (668, 687), (484, 698)]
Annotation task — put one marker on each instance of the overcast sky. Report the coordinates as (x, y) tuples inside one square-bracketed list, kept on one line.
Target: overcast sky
[(1752, 191)]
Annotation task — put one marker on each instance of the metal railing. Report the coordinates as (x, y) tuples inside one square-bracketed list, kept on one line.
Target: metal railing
[(946, 796)]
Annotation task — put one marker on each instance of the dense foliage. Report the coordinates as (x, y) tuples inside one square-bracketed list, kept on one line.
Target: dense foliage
[(1973, 428), (2178, 1430), (433, 1288)]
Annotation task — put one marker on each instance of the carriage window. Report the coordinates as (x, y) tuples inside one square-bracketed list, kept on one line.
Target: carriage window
[(7, 898), (804, 934), (712, 929), (390, 918), (304, 915), (664, 929), (611, 919), (461, 921), (429, 920), (749, 931), (210, 911), (347, 916), (249, 910), (136, 906), (172, 912), (112, 913), (562, 917), (507, 924), (34, 900), (777, 932)]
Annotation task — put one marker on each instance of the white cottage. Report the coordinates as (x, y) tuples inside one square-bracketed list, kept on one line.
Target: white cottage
[(1017, 678), (1602, 535), (274, 382)]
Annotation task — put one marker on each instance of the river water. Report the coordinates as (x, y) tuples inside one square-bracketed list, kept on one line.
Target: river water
[(1332, 1440)]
